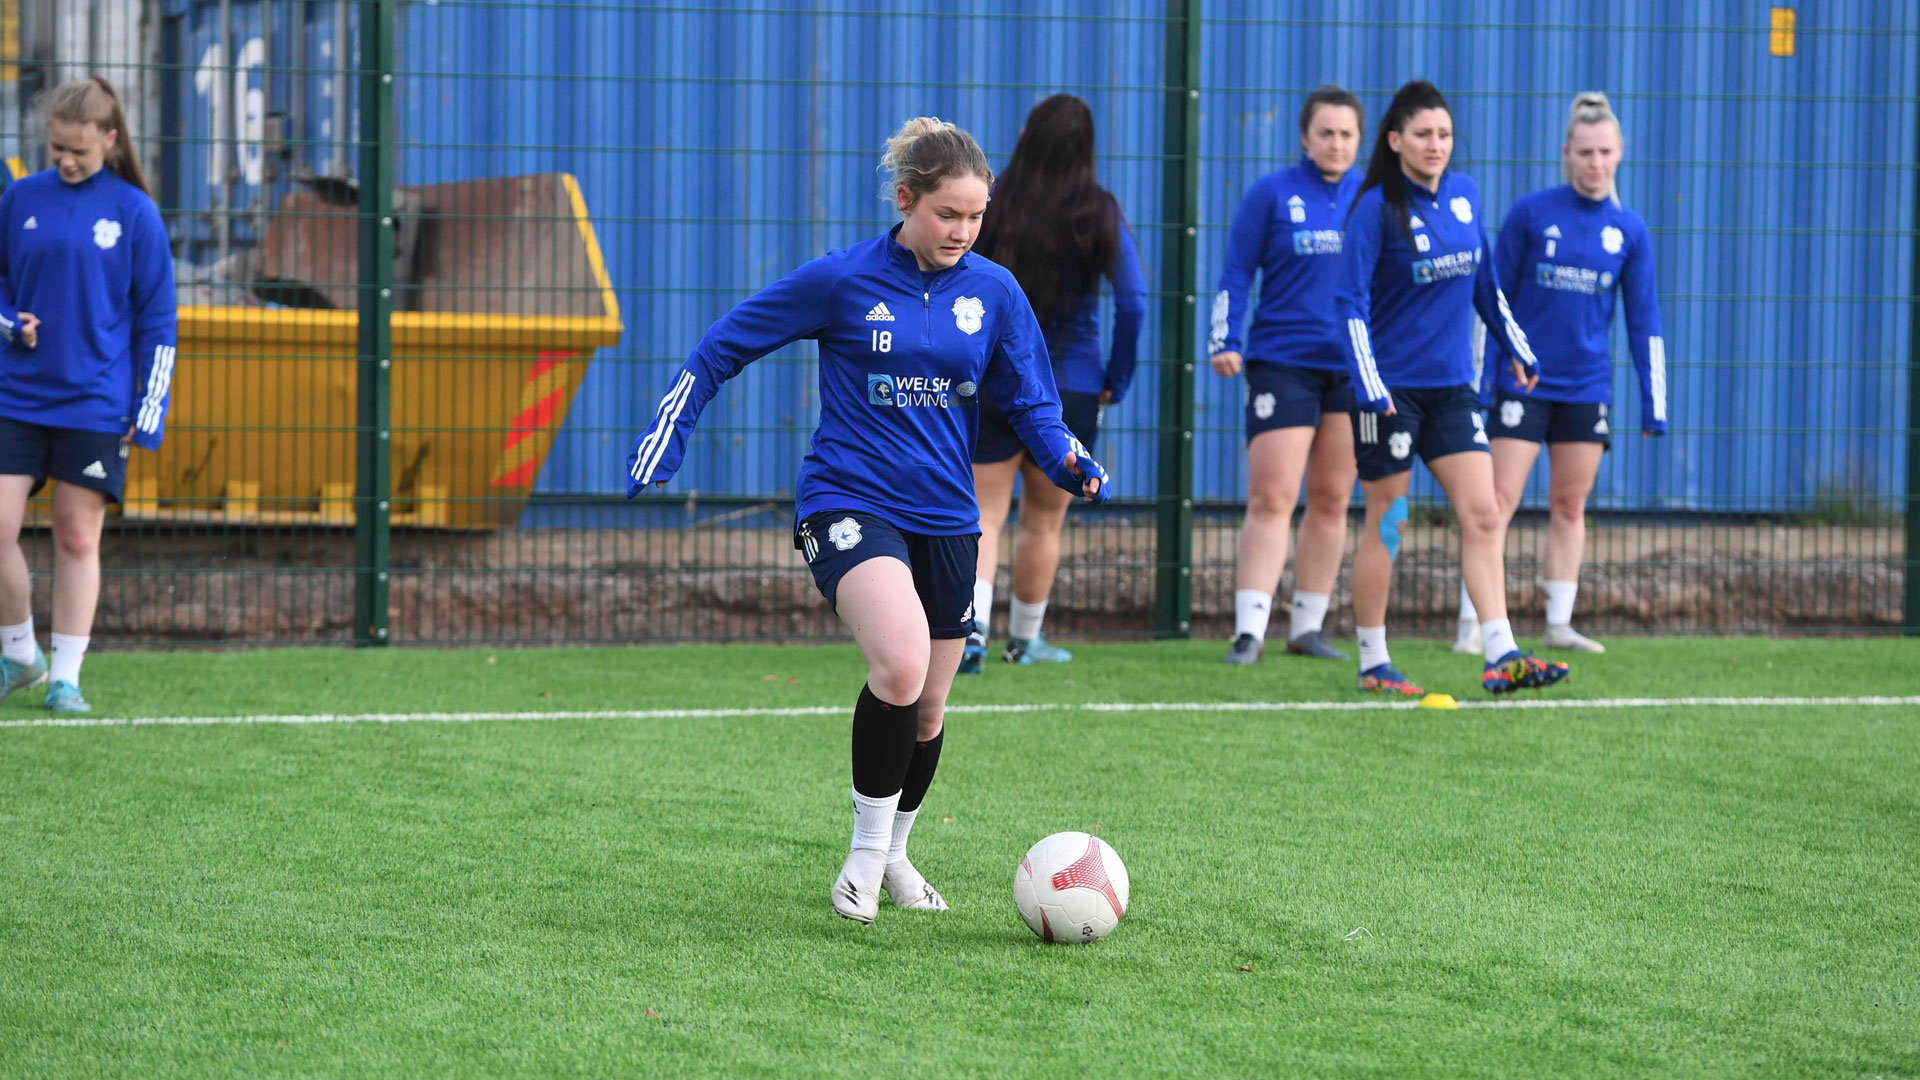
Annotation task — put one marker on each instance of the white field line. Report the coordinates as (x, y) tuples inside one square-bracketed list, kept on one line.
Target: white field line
[(958, 710)]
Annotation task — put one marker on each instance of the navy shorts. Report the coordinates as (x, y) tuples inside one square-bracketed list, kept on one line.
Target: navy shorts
[(1431, 422), (1284, 396), (88, 459), (1533, 420), (836, 541), (998, 441)]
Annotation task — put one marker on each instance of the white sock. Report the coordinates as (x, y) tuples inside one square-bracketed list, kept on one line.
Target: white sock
[(68, 651), (1497, 636), (1467, 614), (1559, 603), (983, 602), (872, 835), (1023, 619), (902, 825), (1309, 612), (1251, 610), (16, 642), (1373, 647)]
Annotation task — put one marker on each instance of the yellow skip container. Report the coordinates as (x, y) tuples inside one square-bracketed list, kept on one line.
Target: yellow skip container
[(262, 424)]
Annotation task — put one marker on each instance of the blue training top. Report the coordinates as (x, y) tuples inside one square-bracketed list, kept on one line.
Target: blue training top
[(1407, 296), (91, 261), (1560, 261), (903, 355), (1073, 338), (1289, 229)]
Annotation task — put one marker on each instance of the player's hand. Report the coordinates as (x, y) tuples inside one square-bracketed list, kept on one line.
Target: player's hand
[(1093, 478), (29, 329), (1225, 363), (1106, 397), (1381, 405), (1646, 433), (1527, 379)]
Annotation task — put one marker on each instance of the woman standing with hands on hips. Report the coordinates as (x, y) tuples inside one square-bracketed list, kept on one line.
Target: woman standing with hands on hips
[(1288, 229), (1059, 232), (911, 327), (87, 311), (1564, 254), (1415, 271)]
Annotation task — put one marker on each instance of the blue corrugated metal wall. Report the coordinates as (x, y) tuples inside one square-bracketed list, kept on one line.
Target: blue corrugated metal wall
[(718, 148)]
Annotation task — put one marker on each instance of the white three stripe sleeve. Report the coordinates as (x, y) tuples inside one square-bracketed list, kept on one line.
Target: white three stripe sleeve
[(1657, 376), (653, 446), (1362, 343), (154, 405)]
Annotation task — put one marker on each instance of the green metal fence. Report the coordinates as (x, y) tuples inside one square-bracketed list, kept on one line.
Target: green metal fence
[(412, 354)]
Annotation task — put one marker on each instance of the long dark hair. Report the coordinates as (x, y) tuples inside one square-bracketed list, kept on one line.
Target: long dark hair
[(93, 101), (1050, 222), (1383, 170)]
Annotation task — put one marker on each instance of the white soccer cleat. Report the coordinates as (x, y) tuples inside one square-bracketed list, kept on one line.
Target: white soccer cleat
[(907, 889), (1468, 639), (1565, 637), (851, 898)]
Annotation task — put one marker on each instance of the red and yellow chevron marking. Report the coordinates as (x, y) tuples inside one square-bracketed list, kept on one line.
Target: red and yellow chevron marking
[(542, 398)]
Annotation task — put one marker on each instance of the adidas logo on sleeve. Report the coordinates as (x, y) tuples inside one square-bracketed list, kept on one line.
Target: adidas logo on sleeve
[(880, 313)]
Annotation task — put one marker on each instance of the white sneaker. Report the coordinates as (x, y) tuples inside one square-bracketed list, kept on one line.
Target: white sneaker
[(1565, 637), (907, 889), (1468, 639), (853, 899)]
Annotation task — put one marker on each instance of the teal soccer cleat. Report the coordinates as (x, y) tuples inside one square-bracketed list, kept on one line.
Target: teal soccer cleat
[(1034, 650), (19, 676), (64, 697)]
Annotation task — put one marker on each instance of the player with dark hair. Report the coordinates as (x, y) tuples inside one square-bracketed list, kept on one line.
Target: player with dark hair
[(1415, 273), (1059, 232), (1288, 230)]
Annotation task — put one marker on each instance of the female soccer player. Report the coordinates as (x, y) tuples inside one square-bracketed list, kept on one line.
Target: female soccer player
[(86, 308), (1288, 228), (1414, 273), (886, 518), (1564, 253), (1059, 232)]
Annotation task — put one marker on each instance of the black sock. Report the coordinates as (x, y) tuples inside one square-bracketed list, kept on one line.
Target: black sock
[(926, 758), (882, 744)]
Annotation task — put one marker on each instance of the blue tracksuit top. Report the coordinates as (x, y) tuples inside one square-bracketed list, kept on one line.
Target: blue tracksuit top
[(1560, 261), (1408, 302), (1073, 339), (1289, 229), (91, 261), (903, 355)]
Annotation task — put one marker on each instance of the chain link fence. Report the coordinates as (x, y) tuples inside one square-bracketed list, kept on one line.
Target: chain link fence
[(436, 262)]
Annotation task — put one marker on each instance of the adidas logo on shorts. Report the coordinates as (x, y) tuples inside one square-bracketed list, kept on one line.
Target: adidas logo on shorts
[(96, 470), (880, 313)]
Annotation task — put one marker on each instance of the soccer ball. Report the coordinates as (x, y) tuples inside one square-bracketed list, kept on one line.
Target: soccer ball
[(1071, 887)]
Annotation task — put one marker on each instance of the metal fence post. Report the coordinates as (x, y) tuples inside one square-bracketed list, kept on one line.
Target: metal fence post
[(373, 475), (1910, 616), (1180, 215)]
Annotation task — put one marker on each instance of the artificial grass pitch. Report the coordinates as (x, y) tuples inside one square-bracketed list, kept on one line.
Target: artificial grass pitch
[(1646, 891)]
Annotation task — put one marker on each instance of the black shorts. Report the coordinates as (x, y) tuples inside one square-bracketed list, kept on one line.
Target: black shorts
[(1432, 422), (1533, 420), (998, 441), (836, 541), (1284, 396), (88, 459)]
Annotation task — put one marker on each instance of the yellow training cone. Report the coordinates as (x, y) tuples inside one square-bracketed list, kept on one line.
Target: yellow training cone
[(1439, 701)]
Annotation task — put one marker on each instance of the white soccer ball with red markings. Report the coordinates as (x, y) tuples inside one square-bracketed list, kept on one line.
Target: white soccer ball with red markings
[(1071, 887)]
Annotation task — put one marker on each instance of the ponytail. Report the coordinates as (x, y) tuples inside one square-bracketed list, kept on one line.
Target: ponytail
[(94, 101)]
